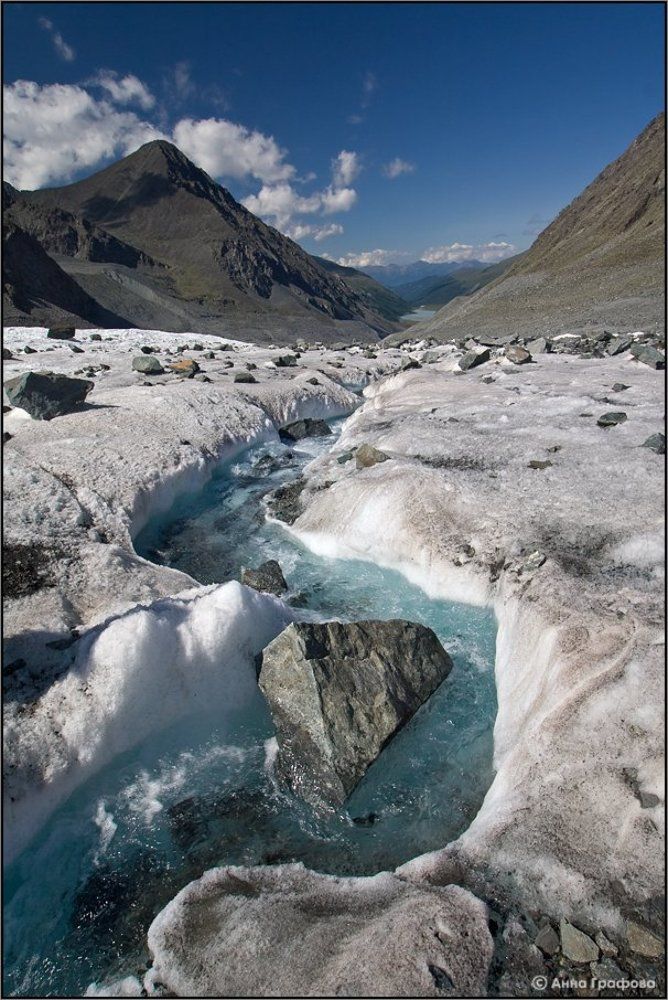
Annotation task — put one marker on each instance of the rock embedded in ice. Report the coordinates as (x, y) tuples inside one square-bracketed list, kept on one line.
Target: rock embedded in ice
[(649, 356), (474, 358), (187, 367), (6, 354), (656, 443), (339, 691), (305, 428), (61, 332), (147, 365), (267, 578), (538, 463), (366, 456), (620, 387), (286, 361), (576, 945), (518, 355), (45, 395), (244, 377), (642, 941), (612, 418), (285, 503)]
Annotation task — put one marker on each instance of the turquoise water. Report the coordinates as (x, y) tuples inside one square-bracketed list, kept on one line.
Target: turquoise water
[(79, 899)]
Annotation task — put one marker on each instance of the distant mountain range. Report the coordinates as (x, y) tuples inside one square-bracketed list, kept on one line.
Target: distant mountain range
[(436, 290), (600, 263), (152, 241), (395, 275)]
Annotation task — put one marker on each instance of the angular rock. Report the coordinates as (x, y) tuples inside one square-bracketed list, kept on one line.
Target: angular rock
[(304, 428), (547, 940), (606, 947), (285, 361), (366, 456), (642, 941), (6, 354), (474, 358), (537, 463), (29, 350), (338, 692), (518, 355), (268, 578), (285, 502), (539, 346), (75, 349), (620, 387), (618, 345), (577, 946), (95, 336), (611, 419), (46, 395), (187, 367), (244, 377), (147, 365), (61, 332), (649, 356), (656, 443)]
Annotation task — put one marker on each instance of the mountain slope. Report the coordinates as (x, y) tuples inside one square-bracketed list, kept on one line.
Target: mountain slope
[(600, 262), (437, 291), (201, 254)]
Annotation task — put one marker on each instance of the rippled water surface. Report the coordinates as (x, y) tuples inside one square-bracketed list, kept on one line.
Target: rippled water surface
[(79, 899)]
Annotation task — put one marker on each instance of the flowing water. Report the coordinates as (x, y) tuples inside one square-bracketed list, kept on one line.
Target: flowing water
[(79, 899)]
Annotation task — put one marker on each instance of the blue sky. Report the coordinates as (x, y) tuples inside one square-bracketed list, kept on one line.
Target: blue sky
[(443, 131)]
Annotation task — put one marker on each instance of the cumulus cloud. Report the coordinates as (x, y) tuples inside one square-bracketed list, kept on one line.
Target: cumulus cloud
[(64, 50), (345, 168), (317, 233), (369, 87), (374, 258), (124, 90), (451, 253), (54, 131), (397, 167), (225, 149)]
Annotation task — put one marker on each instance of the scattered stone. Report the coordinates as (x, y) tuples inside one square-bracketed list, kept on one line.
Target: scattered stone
[(649, 356), (366, 456), (6, 354), (474, 358), (250, 366), (648, 800), (313, 381), (6, 436), (304, 428), (201, 377), (618, 345), (209, 355), (187, 367), (534, 561), (620, 387), (537, 463), (226, 347), (147, 365), (75, 349), (442, 980), (338, 692), (606, 971), (518, 355), (29, 350), (547, 940), (642, 941), (96, 336), (409, 364), (656, 443), (286, 361), (576, 945), (268, 578), (369, 354), (539, 346), (245, 377), (285, 502), (606, 947), (612, 418), (46, 395), (61, 333), (345, 456), (147, 350), (198, 347)]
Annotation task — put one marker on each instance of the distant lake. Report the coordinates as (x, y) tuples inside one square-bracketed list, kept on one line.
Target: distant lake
[(417, 315)]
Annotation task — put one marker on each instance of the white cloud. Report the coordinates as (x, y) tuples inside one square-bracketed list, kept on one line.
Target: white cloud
[(488, 253), (337, 200), (64, 50), (369, 87), (124, 90), (345, 168), (54, 131), (374, 258), (317, 233), (225, 149), (280, 203), (397, 167)]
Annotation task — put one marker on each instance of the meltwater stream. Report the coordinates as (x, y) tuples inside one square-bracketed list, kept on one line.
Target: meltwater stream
[(79, 899)]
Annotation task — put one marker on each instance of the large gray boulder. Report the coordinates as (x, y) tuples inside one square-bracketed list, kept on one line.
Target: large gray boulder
[(45, 395), (147, 364), (338, 692), (304, 428)]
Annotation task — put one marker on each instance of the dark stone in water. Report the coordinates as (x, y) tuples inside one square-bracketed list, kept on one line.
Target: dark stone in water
[(304, 428), (285, 502), (267, 578), (338, 693)]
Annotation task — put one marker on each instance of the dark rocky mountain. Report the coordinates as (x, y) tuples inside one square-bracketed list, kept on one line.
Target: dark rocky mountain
[(154, 239), (377, 296), (600, 263)]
